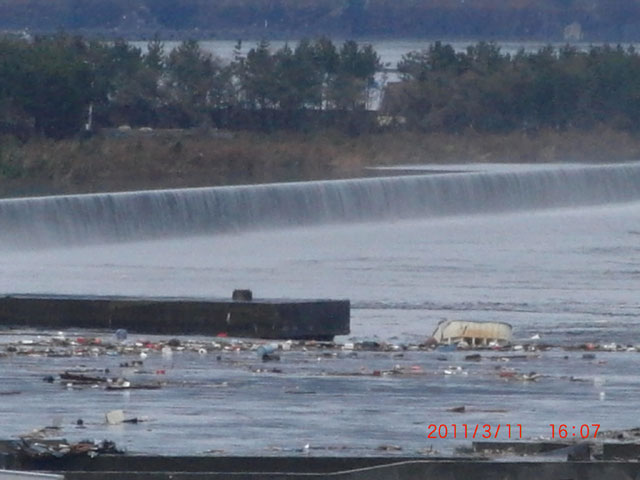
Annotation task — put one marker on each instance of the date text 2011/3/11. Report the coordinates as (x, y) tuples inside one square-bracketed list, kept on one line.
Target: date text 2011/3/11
[(464, 431)]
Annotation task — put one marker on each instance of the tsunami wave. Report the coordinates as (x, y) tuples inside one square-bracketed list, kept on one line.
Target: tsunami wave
[(78, 219)]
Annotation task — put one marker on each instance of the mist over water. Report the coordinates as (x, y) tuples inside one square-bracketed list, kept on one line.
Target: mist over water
[(553, 250), (81, 219)]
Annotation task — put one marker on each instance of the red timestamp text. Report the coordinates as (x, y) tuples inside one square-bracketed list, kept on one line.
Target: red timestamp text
[(464, 431), (574, 431)]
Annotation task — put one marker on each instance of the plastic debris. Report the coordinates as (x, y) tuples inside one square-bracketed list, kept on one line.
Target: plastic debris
[(267, 352), (473, 334), (454, 370), (58, 346), (271, 357), (266, 349), (389, 448), (115, 417), (37, 449)]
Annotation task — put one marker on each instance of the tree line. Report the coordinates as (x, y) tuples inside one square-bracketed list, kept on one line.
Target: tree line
[(483, 89), (58, 85)]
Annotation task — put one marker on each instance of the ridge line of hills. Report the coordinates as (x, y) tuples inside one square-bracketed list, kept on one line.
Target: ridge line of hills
[(549, 20)]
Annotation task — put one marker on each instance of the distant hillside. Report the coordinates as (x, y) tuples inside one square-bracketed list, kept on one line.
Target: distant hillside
[(589, 20)]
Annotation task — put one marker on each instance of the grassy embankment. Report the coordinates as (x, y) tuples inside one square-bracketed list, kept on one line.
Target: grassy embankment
[(192, 159)]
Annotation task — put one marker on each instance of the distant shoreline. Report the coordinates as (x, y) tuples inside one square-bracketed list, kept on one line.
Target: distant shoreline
[(551, 20), (251, 37)]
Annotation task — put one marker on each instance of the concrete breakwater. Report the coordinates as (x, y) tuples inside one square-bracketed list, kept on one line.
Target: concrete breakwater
[(294, 319), (108, 467), (130, 216)]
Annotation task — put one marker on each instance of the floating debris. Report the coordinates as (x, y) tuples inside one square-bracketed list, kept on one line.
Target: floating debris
[(116, 417), (472, 334), (36, 449), (389, 448), (121, 335), (81, 378), (122, 384), (510, 374), (89, 346)]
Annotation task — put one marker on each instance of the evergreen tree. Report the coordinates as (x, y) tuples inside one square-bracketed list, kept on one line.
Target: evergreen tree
[(196, 81)]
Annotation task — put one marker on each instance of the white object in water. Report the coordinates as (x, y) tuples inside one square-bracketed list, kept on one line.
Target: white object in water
[(115, 417), (472, 332)]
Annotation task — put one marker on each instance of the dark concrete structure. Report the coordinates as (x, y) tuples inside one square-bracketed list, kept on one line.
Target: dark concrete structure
[(256, 318), (621, 451), (109, 467), (151, 467), (519, 447)]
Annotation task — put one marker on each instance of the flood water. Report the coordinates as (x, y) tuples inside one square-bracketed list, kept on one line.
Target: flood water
[(564, 267)]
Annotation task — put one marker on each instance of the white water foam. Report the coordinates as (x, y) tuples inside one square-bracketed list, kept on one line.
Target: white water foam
[(79, 219)]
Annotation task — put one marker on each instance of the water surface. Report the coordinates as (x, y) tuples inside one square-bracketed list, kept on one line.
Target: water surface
[(561, 264)]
